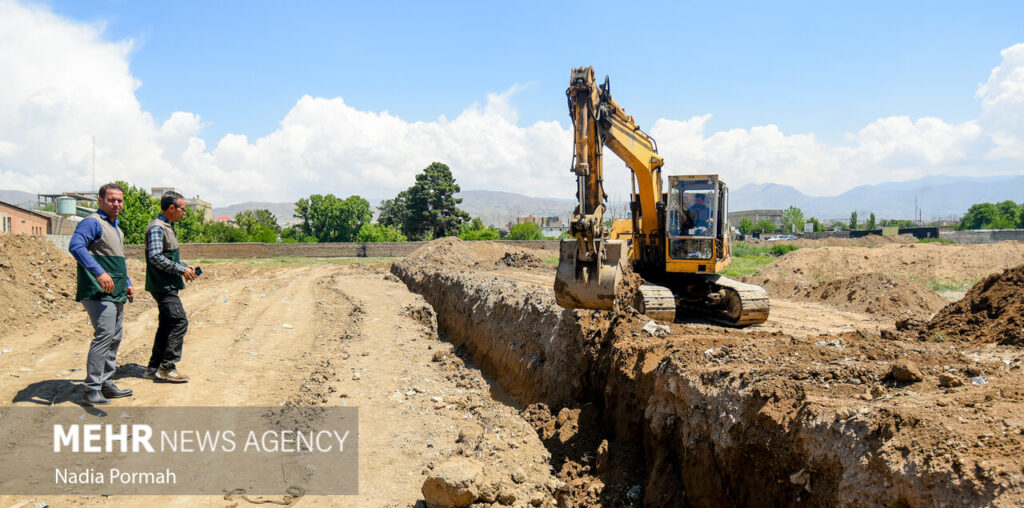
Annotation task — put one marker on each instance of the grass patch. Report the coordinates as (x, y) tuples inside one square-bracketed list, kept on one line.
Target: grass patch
[(746, 265), (745, 250), (553, 261), (935, 240), (938, 285), (297, 261), (782, 249)]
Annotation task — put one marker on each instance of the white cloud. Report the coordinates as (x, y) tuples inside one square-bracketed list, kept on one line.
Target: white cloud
[(65, 83)]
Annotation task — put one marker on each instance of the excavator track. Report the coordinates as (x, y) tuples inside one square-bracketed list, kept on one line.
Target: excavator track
[(734, 303), (656, 302)]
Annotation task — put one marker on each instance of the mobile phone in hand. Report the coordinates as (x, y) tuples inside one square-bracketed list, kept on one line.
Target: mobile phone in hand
[(199, 271)]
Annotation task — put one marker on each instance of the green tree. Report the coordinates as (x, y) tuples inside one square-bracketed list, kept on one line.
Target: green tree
[(295, 235), (746, 226), (792, 219), (476, 230), (394, 212), (379, 233), (818, 226), (978, 216), (330, 219), (1010, 214), (192, 228), (871, 221), (525, 231), (765, 226), (853, 220), (428, 209), (139, 209), (899, 223), (249, 219)]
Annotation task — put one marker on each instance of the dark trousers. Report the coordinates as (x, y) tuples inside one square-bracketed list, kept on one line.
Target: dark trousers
[(170, 332)]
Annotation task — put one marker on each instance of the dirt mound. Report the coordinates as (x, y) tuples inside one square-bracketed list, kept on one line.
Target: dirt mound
[(870, 293), (448, 251), (864, 241), (518, 258), (923, 263), (992, 312), (36, 279)]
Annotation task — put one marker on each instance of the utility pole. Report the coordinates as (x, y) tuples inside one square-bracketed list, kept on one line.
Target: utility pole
[(94, 162)]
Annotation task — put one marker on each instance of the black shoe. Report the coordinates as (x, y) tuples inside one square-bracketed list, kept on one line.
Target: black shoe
[(91, 398), (113, 392)]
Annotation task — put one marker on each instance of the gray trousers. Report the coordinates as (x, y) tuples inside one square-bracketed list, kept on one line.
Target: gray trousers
[(106, 320)]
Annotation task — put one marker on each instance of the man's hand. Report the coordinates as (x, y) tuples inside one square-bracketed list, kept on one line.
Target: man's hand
[(190, 274), (106, 282), (131, 291)]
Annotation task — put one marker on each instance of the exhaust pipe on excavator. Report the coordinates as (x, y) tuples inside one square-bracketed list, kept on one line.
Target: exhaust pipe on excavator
[(583, 284)]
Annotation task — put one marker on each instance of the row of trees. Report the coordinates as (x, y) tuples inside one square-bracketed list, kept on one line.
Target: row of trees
[(1003, 215), (140, 208), (793, 221), (426, 210)]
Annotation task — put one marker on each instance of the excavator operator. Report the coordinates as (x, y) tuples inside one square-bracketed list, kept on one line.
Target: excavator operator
[(701, 214)]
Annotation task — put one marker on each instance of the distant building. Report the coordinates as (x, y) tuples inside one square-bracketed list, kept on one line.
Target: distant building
[(755, 216), (549, 226), (225, 219), (195, 204), (20, 221), (5, 223)]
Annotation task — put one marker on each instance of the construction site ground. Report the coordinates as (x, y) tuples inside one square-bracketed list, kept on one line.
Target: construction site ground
[(473, 386)]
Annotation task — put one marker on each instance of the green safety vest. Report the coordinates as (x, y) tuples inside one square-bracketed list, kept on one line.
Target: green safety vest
[(157, 280), (108, 251)]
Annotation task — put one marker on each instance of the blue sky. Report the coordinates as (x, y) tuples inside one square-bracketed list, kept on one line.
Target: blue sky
[(276, 100), (804, 66)]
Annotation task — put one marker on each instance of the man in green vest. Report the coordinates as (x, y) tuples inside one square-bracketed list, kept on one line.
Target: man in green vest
[(165, 276), (103, 287)]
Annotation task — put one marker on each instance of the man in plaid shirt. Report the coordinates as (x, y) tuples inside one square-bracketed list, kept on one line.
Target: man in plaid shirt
[(165, 276)]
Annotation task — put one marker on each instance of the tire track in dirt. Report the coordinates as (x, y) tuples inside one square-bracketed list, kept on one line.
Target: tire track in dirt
[(358, 338)]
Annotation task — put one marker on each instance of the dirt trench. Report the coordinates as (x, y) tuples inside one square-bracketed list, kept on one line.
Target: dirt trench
[(705, 416)]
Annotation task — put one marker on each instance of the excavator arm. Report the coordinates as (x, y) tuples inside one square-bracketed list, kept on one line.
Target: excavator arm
[(589, 264)]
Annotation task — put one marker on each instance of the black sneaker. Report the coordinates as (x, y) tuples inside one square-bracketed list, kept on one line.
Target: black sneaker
[(113, 392), (91, 398)]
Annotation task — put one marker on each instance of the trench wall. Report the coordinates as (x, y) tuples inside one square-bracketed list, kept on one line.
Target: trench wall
[(709, 438), (195, 251)]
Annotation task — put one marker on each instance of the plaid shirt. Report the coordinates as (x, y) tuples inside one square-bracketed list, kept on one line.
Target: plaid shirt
[(155, 250)]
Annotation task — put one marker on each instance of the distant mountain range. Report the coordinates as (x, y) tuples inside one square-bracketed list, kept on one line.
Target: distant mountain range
[(936, 196), (18, 198)]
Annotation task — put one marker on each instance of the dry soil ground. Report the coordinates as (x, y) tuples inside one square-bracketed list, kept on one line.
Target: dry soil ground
[(352, 334)]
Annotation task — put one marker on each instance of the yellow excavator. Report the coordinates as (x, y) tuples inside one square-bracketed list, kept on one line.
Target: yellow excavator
[(677, 238)]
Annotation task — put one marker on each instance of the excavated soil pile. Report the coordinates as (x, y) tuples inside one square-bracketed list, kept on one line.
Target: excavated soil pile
[(992, 312), (691, 414), (864, 241), (519, 258), (922, 263), (871, 293), (36, 279)]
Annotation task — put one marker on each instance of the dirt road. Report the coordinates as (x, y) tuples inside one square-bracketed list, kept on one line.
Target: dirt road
[(339, 335)]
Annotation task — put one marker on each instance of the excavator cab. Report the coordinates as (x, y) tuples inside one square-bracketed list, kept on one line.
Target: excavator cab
[(696, 229)]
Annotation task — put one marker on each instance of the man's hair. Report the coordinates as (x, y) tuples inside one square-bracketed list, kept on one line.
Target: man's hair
[(170, 198), (110, 186)]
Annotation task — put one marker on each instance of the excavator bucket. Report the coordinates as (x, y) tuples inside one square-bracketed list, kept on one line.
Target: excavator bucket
[(587, 285)]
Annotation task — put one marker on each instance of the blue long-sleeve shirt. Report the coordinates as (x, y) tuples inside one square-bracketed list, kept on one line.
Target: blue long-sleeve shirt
[(87, 232)]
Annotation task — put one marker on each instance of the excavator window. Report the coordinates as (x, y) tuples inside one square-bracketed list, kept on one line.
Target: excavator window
[(692, 211)]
